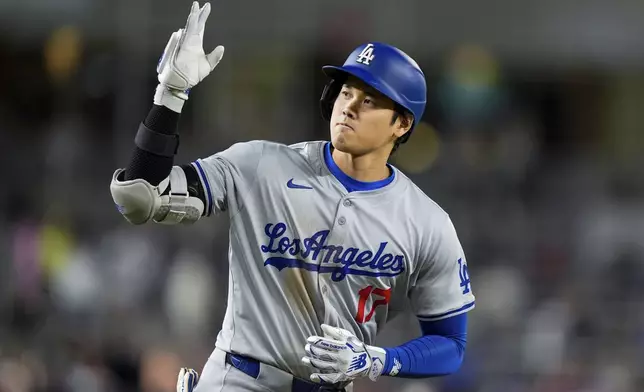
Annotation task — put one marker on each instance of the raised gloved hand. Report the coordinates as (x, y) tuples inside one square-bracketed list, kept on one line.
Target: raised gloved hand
[(184, 63), (187, 380), (340, 357)]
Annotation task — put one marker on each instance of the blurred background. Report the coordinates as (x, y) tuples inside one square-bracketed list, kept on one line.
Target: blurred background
[(533, 141)]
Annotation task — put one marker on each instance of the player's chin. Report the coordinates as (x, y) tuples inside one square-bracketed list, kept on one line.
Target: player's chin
[(343, 142)]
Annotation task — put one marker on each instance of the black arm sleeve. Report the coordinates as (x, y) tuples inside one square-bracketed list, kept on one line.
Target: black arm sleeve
[(154, 168), (146, 165)]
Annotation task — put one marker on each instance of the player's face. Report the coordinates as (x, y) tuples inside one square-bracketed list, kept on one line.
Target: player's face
[(362, 120)]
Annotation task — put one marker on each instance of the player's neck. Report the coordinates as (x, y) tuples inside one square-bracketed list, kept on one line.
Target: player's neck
[(366, 168)]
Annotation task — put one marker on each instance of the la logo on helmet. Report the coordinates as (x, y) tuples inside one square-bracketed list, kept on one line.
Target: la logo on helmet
[(366, 56)]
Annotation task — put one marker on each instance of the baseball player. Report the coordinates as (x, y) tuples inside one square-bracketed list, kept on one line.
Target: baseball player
[(327, 240)]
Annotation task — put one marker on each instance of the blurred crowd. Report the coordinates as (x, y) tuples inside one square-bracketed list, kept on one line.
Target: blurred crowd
[(541, 170)]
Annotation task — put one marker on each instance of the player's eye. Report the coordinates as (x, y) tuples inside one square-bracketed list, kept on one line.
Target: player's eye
[(369, 102), (345, 93)]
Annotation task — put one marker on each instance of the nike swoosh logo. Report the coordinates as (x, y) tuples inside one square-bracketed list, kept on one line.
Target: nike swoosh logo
[(293, 185)]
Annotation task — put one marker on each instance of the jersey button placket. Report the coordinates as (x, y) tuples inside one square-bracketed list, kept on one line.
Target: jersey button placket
[(337, 235), (346, 203)]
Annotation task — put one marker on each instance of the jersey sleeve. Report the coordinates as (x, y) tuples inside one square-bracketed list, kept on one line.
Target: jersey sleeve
[(442, 288), (228, 176)]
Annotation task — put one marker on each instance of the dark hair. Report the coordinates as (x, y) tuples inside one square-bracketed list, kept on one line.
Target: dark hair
[(399, 111)]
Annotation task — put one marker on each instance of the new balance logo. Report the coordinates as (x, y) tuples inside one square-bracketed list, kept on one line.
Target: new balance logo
[(358, 363), (366, 56)]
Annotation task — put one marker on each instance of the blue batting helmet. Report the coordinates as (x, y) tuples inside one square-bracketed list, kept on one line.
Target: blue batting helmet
[(387, 69)]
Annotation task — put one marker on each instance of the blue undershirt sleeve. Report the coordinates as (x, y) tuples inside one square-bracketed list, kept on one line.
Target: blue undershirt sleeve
[(438, 352)]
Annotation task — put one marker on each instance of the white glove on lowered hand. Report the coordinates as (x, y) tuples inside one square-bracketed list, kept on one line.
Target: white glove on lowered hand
[(184, 63), (187, 380), (341, 357)]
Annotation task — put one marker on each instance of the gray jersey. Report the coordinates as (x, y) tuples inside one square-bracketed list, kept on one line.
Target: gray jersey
[(304, 251)]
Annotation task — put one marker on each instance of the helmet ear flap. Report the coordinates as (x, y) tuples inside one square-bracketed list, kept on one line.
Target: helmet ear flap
[(329, 95)]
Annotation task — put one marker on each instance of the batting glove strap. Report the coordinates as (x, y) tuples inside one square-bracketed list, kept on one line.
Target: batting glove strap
[(164, 96), (378, 359)]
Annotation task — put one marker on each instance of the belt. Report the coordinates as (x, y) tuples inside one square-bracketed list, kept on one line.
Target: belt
[(252, 366)]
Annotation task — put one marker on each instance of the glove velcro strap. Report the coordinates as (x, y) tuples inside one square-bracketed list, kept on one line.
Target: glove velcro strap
[(155, 142), (178, 196), (378, 358)]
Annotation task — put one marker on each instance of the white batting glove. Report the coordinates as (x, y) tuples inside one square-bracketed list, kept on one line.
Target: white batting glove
[(340, 357), (184, 63), (187, 380)]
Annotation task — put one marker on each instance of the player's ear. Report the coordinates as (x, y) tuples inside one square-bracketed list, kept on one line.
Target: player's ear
[(403, 124)]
